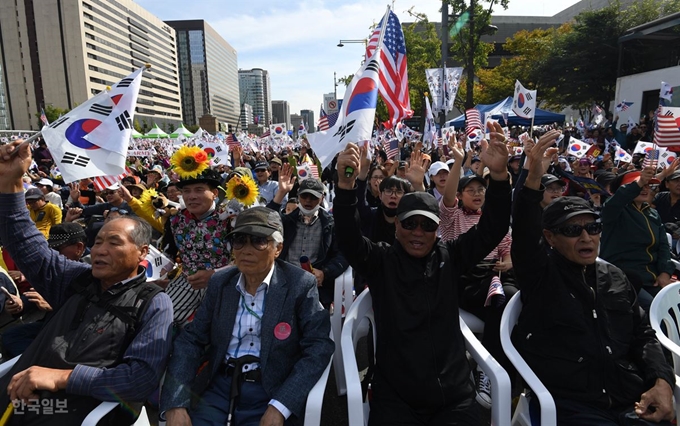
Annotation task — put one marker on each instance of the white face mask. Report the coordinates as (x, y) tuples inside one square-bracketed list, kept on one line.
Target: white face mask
[(311, 212)]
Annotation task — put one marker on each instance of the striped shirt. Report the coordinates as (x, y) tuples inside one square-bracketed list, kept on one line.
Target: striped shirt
[(455, 222)]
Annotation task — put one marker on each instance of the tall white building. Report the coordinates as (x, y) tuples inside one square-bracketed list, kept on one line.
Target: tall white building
[(255, 90), (61, 52)]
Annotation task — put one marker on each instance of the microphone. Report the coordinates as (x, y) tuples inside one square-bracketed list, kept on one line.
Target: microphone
[(306, 264), (349, 171)]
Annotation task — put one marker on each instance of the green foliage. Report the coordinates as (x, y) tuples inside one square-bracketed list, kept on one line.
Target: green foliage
[(52, 113), (194, 128), (137, 126), (145, 126), (423, 47)]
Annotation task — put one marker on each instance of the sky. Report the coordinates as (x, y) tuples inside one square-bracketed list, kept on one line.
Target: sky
[(296, 40)]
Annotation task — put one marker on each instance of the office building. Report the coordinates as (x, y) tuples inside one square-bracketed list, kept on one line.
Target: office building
[(208, 73), (61, 52), (255, 90), (246, 116), (308, 117), (281, 112)]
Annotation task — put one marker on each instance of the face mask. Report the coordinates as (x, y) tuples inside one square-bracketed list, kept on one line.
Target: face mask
[(389, 212), (311, 212)]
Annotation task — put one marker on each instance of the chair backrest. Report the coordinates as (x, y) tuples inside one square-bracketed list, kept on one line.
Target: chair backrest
[(508, 322), (343, 298), (665, 310), (354, 328)]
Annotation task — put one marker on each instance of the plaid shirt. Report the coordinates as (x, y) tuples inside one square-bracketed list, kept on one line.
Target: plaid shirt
[(307, 241), (51, 275)]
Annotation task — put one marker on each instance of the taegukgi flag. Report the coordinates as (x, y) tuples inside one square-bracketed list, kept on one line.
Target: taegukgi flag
[(524, 101), (92, 139)]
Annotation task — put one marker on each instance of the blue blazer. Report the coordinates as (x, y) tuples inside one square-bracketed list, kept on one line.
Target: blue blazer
[(290, 367)]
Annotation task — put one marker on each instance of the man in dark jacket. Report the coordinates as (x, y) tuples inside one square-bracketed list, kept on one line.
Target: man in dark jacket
[(421, 372), (581, 329), (310, 233)]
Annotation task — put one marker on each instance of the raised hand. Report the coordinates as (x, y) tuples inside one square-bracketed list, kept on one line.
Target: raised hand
[(365, 163), (537, 155), (349, 157), (495, 152), (286, 178), (415, 171), (15, 159)]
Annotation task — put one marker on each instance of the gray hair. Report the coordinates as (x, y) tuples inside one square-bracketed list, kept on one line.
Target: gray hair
[(141, 233)]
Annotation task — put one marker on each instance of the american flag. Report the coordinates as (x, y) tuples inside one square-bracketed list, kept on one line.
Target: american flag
[(391, 147), (327, 121), (43, 117), (667, 130), (473, 121), (232, 140), (651, 159), (495, 289), (102, 182), (393, 68), (623, 106)]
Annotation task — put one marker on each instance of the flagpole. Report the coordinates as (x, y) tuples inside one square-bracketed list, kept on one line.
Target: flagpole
[(24, 143)]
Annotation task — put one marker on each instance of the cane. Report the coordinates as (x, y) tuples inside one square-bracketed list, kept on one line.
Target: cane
[(238, 364)]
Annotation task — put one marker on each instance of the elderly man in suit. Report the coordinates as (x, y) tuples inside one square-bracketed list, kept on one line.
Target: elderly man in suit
[(268, 336)]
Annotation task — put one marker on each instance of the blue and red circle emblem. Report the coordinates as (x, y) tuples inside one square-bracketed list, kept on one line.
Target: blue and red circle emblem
[(520, 100), (77, 131)]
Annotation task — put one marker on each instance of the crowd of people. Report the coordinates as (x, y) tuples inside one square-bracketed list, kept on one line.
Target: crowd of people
[(237, 325)]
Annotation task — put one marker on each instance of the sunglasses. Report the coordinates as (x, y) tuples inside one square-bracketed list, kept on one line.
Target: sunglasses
[(119, 211), (108, 192), (573, 231), (427, 225), (238, 241)]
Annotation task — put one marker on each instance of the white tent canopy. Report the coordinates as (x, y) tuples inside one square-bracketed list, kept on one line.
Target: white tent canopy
[(181, 131), (156, 133)]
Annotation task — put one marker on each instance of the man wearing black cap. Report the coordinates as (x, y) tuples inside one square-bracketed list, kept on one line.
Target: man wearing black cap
[(271, 353), (310, 233), (275, 165), (581, 329), (666, 203), (421, 371), (267, 187), (554, 188)]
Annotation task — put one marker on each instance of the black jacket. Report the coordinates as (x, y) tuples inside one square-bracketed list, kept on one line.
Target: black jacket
[(330, 261), (581, 329), (420, 351)]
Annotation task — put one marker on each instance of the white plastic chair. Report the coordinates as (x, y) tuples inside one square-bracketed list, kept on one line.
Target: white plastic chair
[(342, 301), (522, 416), (473, 322), (670, 244), (360, 312), (315, 398), (667, 301), (501, 389), (95, 415)]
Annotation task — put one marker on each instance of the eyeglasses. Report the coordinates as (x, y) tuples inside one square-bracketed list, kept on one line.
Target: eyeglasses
[(554, 189), (238, 241), (377, 177), (119, 211), (427, 225), (307, 196), (572, 231), (393, 191), (108, 192), (478, 191)]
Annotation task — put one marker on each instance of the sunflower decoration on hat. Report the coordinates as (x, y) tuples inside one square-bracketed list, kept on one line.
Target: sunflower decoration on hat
[(190, 162), (242, 187)]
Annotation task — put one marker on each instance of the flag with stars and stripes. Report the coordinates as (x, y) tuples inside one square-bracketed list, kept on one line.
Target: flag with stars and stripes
[(651, 159), (393, 67), (667, 127), (391, 147), (327, 121)]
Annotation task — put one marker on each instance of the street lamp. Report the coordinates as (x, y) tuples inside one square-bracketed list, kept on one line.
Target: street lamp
[(342, 42)]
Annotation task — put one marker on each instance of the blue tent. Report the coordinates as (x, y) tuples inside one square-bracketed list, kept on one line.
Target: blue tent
[(542, 116)]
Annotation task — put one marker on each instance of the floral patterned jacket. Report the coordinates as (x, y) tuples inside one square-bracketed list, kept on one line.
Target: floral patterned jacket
[(203, 242)]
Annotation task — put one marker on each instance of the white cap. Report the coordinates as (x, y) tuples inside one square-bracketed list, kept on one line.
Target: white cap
[(45, 182), (437, 167)]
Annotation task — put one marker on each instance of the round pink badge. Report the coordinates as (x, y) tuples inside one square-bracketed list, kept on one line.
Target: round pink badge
[(282, 331)]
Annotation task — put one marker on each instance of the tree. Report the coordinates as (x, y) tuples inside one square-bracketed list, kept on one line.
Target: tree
[(137, 126), (467, 46), (52, 113)]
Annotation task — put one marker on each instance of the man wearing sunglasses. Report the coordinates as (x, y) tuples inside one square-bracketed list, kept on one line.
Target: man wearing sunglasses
[(421, 372), (264, 328), (581, 329)]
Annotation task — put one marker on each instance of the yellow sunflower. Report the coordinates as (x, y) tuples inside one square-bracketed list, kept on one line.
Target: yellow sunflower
[(242, 188), (189, 162), (146, 200)]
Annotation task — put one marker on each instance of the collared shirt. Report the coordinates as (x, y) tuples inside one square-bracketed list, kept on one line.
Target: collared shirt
[(667, 212), (307, 241), (268, 190), (246, 335)]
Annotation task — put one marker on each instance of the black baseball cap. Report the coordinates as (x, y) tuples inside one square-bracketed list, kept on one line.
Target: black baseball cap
[(311, 186), (34, 194), (467, 180), (673, 176), (547, 179), (258, 221), (402, 165), (418, 203), (261, 165), (563, 209), (65, 234)]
